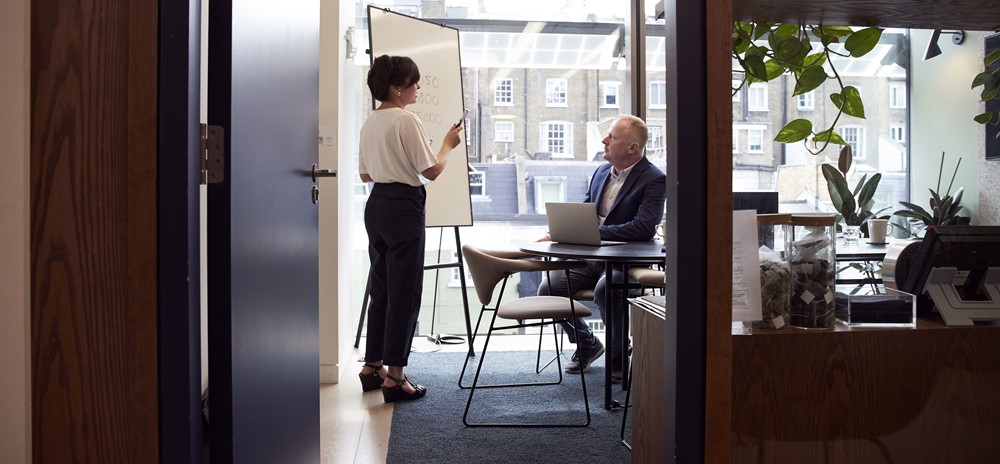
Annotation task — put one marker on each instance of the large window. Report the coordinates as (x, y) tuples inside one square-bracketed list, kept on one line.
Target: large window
[(503, 92), (807, 101), (897, 96), (757, 96), (555, 92), (855, 137), (556, 138), (503, 131), (657, 94), (611, 90)]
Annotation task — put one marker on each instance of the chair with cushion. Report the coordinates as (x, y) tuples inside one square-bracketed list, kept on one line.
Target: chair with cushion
[(490, 271), (647, 277)]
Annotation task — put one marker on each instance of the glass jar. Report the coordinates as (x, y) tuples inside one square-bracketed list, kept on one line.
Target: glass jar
[(775, 276), (811, 251)]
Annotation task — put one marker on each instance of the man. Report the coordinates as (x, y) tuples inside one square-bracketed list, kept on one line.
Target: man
[(629, 192)]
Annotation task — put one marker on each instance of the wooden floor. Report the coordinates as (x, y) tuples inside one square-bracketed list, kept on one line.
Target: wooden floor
[(354, 426)]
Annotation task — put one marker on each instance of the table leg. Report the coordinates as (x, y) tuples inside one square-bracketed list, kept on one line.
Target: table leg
[(609, 292)]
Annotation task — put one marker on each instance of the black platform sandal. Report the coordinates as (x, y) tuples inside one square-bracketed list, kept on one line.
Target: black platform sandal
[(397, 393), (371, 381)]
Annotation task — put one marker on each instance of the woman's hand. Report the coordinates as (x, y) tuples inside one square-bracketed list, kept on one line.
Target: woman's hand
[(452, 138)]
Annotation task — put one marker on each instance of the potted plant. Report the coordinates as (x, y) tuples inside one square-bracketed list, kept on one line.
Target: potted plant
[(944, 210), (853, 206)]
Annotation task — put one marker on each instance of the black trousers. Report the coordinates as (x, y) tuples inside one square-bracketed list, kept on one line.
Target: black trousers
[(395, 221)]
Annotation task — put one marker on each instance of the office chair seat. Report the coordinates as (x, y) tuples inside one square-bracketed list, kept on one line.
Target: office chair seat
[(490, 270)]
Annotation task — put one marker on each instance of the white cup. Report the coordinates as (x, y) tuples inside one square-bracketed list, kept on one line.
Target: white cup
[(661, 229), (878, 229)]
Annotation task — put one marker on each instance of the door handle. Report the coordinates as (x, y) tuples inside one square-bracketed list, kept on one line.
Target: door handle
[(316, 172)]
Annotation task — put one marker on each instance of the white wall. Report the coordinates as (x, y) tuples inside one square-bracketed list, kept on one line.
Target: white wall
[(15, 404), (942, 106), (336, 78)]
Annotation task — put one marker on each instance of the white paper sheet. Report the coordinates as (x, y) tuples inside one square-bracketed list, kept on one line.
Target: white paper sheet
[(746, 268)]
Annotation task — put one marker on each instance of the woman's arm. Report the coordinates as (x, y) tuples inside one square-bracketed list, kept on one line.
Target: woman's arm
[(451, 140)]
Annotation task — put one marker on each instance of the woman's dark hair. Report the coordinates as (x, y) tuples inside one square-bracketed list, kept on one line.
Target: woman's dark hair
[(391, 70)]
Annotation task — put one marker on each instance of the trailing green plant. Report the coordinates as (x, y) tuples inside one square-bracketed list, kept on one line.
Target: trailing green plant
[(944, 210), (990, 81), (854, 207), (787, 50)]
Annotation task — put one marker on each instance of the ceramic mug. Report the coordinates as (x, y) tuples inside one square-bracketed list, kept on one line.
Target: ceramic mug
[(878, 229), (661, 229)]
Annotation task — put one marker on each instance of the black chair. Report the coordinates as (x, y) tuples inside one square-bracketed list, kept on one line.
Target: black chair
[(490, 271)]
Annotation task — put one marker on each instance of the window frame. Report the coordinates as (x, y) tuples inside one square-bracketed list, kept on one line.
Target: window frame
[(753, 91), (858, 151), (544, 130), (503, 91), (556, 92)]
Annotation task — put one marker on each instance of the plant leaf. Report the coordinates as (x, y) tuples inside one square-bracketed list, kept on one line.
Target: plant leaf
[(760, 30), (829, 136), (982, 77), (993, 56), (835, 31), (840, 193), (811, 78), (816, 59), (984, 118), (863, 41), (754, 66), (845, 160), (794, 131), (773, 69), (786, 30), (988, 93), (867, 194), (852, 102)]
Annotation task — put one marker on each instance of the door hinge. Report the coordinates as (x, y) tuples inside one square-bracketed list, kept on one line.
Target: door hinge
[(213, 161)]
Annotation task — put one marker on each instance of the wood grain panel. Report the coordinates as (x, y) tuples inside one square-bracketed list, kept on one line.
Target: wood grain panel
[(648, 332), (718, 366), (925, 395), (970, 15), (93, 219)]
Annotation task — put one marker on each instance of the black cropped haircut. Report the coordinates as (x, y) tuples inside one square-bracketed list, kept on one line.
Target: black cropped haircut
[(391, 70)]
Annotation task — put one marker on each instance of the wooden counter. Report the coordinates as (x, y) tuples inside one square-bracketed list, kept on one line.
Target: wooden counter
[(930, 394)]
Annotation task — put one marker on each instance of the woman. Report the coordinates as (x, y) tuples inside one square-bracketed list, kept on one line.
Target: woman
[(396, 155)]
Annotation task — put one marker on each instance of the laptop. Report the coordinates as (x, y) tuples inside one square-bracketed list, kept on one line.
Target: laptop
[(575, 224)]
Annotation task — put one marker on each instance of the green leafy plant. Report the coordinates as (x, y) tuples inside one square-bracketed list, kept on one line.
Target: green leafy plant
[(990, 81), (944, 210), (853, 206), (787, 50)]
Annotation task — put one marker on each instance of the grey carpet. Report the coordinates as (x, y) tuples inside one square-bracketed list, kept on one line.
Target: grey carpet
[(430, 430)]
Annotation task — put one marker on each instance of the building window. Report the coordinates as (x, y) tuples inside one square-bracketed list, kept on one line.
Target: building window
[(455, 282), (855, 137), (806, 101), (737, 90), (549, 188), (503, 131), (611, 90), (897, 132), (655, 141), (658, 94), (555, 92), (897, 96), (477, 183), (736, 140), (556, 137), (757, 97), (755, 140), (503, 92)]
